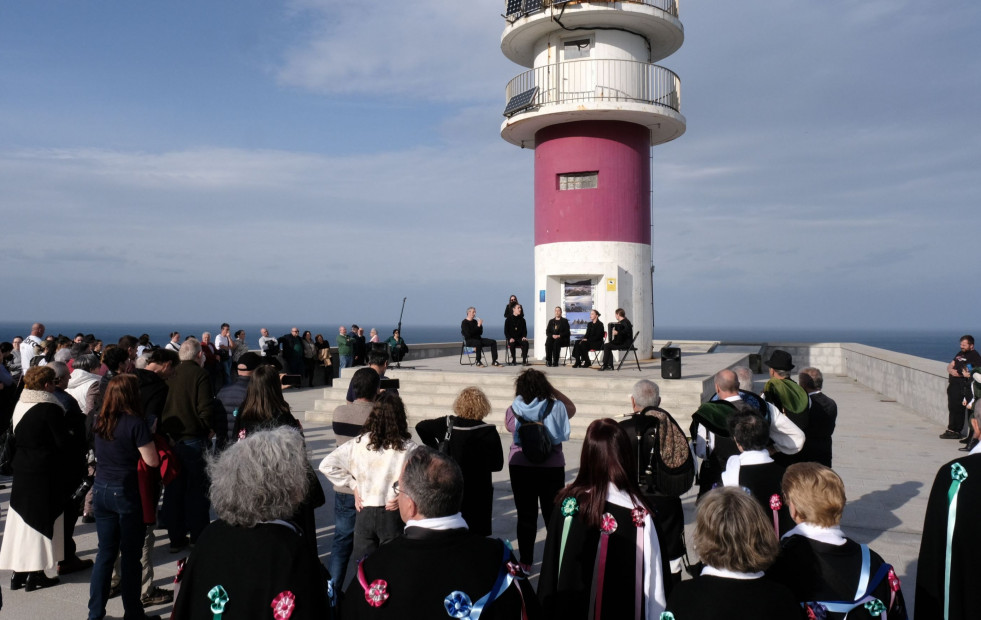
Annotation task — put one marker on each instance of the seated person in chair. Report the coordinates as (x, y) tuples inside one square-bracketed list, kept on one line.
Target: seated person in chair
[(516, 334), (621, 337), (592, 341), (472, 330), (556, 337)]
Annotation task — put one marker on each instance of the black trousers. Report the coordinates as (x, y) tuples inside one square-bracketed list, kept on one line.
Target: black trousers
[(956, 390), (479, 343), (531, 487), (552, 348), (523, 344), (608, 350)]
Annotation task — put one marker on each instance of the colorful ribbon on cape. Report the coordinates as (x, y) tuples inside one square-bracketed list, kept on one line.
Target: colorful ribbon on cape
[(893, 587), (775, 506), (569, 508), (608, 525), (638, 515), (219, 598), (504, 579), (377, 592), (958, 475)]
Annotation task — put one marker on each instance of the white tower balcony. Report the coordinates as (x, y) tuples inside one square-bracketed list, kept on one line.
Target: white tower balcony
[(594, 89), (530, 22)]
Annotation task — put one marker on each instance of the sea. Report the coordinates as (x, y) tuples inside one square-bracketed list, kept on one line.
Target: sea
[(937, 344)]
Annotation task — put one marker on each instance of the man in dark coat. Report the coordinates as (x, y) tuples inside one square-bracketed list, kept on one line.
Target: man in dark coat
[(822, 417), (292, 346), (437, 566), (187, 417), (955, 503), (669, 515)]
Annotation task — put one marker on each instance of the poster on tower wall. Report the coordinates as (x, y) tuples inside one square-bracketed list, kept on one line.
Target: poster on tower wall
[(577, 301)]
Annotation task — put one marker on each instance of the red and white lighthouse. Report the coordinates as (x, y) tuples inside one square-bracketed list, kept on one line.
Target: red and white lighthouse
[(592, 105)]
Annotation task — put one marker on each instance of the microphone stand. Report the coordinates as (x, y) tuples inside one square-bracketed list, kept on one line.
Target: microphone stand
[(398, 364)]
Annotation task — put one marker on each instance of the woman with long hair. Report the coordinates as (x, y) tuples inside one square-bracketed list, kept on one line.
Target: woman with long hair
[(602, 555), (122, 438), (265, 408), (34, 534), (476, 446), (536, 477), (734, 539), (369, 465)]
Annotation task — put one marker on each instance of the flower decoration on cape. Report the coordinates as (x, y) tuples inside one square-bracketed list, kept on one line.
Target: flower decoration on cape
[(775, 503), (515, 570), (893, 581), (875, 607), (666, 615), (283, 605), (608, 524), (377, 593), (816, 611), (219, 598), (957, 472), (242, 433), (569, 506), (458, 604), (638, 515)]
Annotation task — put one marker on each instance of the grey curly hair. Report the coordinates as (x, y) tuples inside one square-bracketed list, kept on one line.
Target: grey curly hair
[(260, 478)]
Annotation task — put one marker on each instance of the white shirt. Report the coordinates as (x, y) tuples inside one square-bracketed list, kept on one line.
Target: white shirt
[(786, 436), (830, 535), (730, 477), (27, 351), (452, 522)]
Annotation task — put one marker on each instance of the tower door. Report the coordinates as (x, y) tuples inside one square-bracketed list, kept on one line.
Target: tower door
[(576, 78)]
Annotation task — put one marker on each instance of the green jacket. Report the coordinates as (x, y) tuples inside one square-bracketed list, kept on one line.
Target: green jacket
[(345, 344)]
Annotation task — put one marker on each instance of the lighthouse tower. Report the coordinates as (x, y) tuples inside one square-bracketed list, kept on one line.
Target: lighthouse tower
[(591, 105)]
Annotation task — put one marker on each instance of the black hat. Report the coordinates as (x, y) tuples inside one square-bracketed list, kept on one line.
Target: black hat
[(780, 360), (249, 361)]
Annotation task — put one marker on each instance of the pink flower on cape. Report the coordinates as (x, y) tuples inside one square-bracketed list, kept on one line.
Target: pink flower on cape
[(283, 605), (377, 593), (608, 524), (638, 515), (775, 503)]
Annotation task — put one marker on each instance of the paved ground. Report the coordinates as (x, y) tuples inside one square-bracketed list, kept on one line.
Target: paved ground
[(886, 454)]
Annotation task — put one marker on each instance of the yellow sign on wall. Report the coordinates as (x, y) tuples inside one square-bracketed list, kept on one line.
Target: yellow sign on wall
[(611, 284)]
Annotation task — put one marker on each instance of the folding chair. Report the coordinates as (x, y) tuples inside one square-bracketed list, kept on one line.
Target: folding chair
[(470, 354), (627, 352)]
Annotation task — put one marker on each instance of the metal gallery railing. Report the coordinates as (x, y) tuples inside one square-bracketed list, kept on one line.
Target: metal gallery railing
[(517, 8), (599, 80)]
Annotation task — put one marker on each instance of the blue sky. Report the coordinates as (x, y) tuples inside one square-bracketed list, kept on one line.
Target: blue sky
[(319, 160)]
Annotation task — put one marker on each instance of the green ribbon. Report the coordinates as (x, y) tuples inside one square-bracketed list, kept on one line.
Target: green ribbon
[(958, 475), (788, 394), (569, 508), (875, 607), (667, 615), (218, 598)]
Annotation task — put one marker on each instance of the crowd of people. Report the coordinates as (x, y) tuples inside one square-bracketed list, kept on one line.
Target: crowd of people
[(104, 435)]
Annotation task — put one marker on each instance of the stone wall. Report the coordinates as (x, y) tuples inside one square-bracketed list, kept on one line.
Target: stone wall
[(915, 382)]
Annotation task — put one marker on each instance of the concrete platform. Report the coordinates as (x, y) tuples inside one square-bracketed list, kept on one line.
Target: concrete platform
[(886, 453)]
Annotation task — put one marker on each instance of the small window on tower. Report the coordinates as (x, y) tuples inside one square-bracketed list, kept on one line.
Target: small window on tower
[(579, 180), (578, 48)]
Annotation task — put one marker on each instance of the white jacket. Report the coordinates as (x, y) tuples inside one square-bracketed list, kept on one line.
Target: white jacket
[(369, 472)]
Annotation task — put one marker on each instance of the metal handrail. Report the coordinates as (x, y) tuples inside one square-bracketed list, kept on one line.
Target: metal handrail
[(599, 80), (668, 6)]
